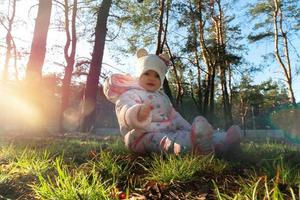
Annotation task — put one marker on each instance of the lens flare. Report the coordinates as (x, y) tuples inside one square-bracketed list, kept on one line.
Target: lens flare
[(71, 119), (16, 111), (73, 116), (287, 118)]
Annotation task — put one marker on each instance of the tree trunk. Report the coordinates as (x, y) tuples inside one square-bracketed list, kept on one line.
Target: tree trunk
[(38, 46), (207, 87), (243, 113), (211, 94), (206, 56), (70, 59), (225, 100), (33, 86), (89, 102), (9, 41), (285, 66), (178, 100), (221, 62), (199, 103), (159, 46)]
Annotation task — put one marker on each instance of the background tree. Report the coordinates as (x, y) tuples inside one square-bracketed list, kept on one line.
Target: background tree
[(34, 86), (38, 45), (162, 38), (91, 89), (222, 61), (212, 48), (253, 103), (71, 42), (9, 38), (280, 22)]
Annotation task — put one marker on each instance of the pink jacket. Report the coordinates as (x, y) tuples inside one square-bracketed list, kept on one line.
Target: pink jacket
[(124, 91)]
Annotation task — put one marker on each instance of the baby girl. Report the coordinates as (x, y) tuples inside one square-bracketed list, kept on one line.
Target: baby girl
[(149, 123)]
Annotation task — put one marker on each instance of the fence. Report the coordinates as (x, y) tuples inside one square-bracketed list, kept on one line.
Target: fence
[(263, 135)]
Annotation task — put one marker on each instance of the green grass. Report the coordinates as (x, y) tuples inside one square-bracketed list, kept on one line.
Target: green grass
[(105, 169), (31, 161), (109, 167), (183, 168), (72, 183), (4, 177), (257, 189)]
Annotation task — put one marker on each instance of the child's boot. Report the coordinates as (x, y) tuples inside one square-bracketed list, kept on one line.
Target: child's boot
[(201, 136), (233, 138), (233, 135), (229, 140)]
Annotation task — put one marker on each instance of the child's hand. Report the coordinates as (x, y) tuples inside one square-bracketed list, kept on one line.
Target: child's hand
[(144, 112)]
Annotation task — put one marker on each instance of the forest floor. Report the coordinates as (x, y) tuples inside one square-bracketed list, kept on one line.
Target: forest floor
[(83, 166)]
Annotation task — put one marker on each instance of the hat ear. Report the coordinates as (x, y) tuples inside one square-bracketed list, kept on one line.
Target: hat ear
[(141, 53), (165, 57)]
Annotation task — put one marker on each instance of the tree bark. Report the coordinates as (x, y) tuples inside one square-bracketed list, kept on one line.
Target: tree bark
[(179, 94), (221, 62), (285, 66), (9, 41), (208, 99), (199, 102), (38, 46), (70, 59), (33, 83), (159, 46), (90, 94)]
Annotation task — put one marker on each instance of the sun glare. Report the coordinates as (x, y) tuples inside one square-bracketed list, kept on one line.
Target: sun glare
[(16, 110)]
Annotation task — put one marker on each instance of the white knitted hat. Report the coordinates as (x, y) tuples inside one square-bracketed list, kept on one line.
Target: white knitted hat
[(157, 63)]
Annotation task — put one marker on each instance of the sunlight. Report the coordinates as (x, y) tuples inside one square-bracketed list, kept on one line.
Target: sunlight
[(15, 109), (71, 119)]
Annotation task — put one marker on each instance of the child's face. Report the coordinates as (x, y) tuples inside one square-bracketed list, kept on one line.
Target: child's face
[(150, 81)]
